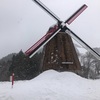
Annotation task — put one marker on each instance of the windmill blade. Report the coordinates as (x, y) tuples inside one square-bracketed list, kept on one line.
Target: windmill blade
[(46, 38), (86, 46), (47, 10), (70, 20), (76, 14)]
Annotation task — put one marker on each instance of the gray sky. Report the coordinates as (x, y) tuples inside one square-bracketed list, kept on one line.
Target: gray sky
[(22, 22)]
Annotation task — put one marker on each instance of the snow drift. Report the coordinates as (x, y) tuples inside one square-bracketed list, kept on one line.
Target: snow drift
[(52, 85)]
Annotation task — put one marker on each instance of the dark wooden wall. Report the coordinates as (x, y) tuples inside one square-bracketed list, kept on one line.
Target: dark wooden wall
[(60, 54)]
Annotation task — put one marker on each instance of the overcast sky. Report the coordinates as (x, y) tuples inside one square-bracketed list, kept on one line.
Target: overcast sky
[(22, 22)]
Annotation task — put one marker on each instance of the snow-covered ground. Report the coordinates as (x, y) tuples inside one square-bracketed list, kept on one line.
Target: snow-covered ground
[(52, 85)]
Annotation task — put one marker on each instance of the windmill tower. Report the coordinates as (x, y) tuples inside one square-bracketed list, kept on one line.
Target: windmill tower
[(59, 51), (60, 54)]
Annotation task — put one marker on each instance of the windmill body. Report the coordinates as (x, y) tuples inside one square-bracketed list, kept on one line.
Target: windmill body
[(59, 51), (60, 54)]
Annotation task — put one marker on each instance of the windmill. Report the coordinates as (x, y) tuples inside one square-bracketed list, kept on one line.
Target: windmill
[(55, 38)]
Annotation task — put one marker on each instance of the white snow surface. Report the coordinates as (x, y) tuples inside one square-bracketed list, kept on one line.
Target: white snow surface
[(52, 85)]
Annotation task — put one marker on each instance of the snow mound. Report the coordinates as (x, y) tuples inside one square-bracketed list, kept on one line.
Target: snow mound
[(52, 85)]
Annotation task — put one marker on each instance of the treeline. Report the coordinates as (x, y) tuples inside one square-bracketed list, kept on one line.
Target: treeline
[(23, 67), (90, 66)]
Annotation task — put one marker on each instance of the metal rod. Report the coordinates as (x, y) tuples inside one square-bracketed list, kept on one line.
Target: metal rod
[(81, 42), (47, 10), (67, 62)]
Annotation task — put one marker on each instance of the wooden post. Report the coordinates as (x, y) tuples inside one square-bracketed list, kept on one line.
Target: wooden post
[(12, 79)]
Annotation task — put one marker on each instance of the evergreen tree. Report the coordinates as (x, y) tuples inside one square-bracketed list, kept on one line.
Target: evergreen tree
[(24, 67)]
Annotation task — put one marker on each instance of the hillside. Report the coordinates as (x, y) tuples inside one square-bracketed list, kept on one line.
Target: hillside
[(7, 58)]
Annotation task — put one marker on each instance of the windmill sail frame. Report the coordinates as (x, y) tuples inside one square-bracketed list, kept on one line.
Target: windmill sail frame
[(62, 26)]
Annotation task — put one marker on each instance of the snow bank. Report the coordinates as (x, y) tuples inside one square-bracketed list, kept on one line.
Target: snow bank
[(52, 85)]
